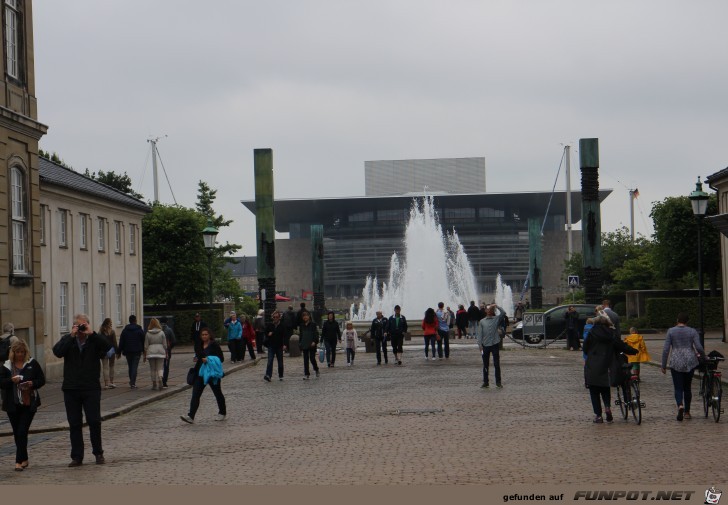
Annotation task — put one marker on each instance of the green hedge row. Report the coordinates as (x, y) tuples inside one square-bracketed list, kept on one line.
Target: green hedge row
[(662, 312), (183, 319)]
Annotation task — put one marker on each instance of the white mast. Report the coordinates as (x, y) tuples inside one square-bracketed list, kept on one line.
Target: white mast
[(153, 141), (567, 154)]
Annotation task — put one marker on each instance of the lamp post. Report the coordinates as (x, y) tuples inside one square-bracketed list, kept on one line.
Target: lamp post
[(209, 235), (699, 201)]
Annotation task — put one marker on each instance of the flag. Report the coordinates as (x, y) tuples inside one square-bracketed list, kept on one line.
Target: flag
[(636, 193)]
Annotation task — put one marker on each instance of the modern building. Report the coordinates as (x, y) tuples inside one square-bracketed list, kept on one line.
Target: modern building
[(441, 175), (362, 233), (20, 256), (91, 254)]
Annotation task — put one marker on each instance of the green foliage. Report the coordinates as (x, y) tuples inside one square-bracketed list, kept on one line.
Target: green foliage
[(635, 273), (662, 312), (573, 266), (247, 305), (183, 319), (641, 323), (121, 182), (53, 157), (617, 249), (675, 241)]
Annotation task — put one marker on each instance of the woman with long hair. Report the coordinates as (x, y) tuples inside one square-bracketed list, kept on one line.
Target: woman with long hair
[(107, 363), (248, 338), (205, 350), (155, 351), (20, 378), (682, 347), (429, 327)]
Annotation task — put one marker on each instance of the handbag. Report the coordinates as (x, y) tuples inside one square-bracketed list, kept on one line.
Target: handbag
[(26, 394), (322, 355), (111, 352), (191, 376)]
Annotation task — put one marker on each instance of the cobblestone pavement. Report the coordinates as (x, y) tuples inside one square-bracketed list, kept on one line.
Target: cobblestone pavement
[(422, 423)]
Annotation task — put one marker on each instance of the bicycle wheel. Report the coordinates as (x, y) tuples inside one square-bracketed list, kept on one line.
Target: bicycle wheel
[(705, 393), (634, 405), (622, 402), (715, 400)]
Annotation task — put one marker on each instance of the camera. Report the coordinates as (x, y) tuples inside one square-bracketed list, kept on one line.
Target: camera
[(82, 327)]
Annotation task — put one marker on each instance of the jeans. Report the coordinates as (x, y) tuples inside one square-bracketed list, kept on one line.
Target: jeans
[(595, 392), (487, 351), (430, 340), (350, 353), (309, 355), (472, 328), (274, 353), (682, 382), (79, 402), (20, 421), (132, 360), (330, 352), (444, 339), (165, 368), (381, 346), (198, 387)]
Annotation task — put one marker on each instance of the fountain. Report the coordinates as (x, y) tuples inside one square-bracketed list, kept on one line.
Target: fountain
[(504, 296), (435, 269)]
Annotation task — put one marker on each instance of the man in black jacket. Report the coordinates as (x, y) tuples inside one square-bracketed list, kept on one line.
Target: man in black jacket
[(473, 319), (131, 345), (276, 333), (378, 331), (197, 325), (82, 350)]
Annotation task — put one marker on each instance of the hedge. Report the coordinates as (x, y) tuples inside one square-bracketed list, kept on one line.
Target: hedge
[(183, 319), (662, 312)]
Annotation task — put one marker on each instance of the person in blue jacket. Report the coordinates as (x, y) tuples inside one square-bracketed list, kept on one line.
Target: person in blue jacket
[(206, 347), (234, 337)]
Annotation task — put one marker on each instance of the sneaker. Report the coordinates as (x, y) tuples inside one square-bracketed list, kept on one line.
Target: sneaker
[(610, 418), (680, 414), (434, 358), (687, 416), (399, 362), (379, 364), (440, 358), (164, 386), (485, 385), (187, 419), (317, 374), (220, 417), (75, 462), (133, 386), (266, 378), (427, 358), (306, 377), (280, 378), (598, 420), (348, 364), (112, 386), (500, 386), (100, 460)]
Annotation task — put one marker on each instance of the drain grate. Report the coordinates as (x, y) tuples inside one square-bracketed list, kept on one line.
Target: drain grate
[(399, 412)]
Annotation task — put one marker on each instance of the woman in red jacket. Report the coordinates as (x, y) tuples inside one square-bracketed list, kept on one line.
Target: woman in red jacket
[(248, 337), (429, 326)]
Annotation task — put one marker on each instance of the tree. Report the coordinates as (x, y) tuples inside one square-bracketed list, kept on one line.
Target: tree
[(675, 242), (174, 256), (121, 182)]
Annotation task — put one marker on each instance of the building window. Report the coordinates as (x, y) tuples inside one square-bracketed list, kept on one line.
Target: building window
[(84, 298), (43, 210), (83, 232), (12, 38), (102, 301), (62, 227), (102, 234), (117, 236), (119, 300), (63, 307), (19, 221), (132, 239), (44, 305), (132, 299), (361, 217)]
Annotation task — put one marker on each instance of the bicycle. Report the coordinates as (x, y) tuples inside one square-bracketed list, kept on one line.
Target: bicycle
[(628, 395), (711, 389)]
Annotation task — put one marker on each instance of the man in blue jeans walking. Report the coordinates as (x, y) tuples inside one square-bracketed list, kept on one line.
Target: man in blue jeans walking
[(443, 330), (489, 342), (131, 345)]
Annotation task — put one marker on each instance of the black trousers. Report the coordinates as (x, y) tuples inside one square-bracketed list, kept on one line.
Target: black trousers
[(444, 339), (198, 387), (381, 345), (20, 421), (309, 355), (79, 402), (599, 392), (397, 341), (165, 368), (237, 353), (251, 350), (495, 351)]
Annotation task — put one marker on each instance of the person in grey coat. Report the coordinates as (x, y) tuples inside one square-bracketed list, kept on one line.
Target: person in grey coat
[(489, 342)]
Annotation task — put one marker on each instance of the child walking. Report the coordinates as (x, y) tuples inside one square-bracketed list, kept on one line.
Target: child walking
[(636, 341), (351, 338)]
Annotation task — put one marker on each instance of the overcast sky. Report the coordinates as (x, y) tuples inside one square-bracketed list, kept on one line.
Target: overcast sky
[(330, 84)]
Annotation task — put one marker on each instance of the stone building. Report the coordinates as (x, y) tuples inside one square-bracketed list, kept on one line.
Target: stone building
[(20, 257)]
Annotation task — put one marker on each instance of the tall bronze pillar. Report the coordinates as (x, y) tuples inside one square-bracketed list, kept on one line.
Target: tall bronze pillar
[(265, 232), (591, 220), (317, 265), (535, 262)]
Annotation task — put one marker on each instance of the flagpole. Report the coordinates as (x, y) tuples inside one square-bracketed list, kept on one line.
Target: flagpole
[(633, 193)]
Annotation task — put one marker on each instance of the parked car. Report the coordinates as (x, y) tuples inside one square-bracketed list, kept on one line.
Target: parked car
[(555, 323)]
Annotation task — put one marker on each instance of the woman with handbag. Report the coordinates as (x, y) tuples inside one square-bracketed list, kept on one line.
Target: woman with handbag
[(204, 348), (107, 362), (309, 338), (155, 351), (20, 378)]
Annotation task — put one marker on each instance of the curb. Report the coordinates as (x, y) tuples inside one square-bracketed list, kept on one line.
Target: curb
[(125, 409)]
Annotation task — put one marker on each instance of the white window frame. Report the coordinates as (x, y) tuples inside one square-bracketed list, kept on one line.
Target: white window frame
[(83, 233), (101, 227), (44, 307), (63, 307), (119, 303), (84, 298), (132, 298), (62, 228), (43, 210), (117, 236), (102, 301), (18, 216), (12, 38), (132, 239)]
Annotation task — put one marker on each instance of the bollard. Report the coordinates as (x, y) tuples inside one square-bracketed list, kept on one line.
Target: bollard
[(407, 335), (369, 344), (294, 350)]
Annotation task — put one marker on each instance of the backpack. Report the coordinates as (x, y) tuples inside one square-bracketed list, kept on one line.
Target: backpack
[(4, 349)]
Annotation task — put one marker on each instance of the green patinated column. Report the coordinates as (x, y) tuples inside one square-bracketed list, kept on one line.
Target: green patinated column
[(265, 229), (535, 262), (317, 271), (591, 220)]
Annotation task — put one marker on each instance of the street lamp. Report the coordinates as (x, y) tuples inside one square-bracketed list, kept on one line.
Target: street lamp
[(209, 235), (699, 201)]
